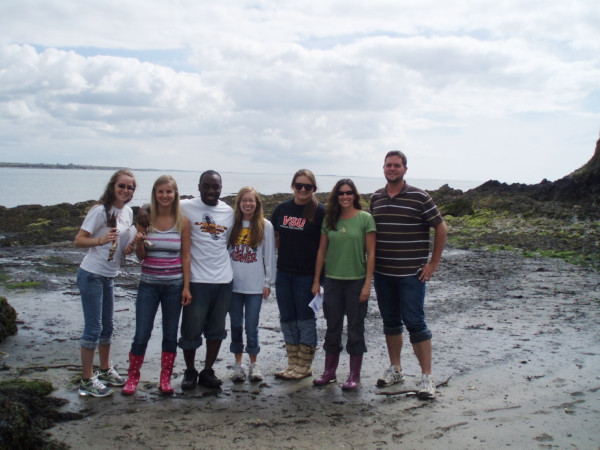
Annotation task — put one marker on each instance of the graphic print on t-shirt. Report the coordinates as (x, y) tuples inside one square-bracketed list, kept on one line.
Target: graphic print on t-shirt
[(293, 223), (208, 225), (242, 252)]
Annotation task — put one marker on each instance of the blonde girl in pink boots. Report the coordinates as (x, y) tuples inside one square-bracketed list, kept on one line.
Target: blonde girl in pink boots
[(164, 249)]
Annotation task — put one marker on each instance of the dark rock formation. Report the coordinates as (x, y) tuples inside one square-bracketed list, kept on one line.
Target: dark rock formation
[(26, 410), (8, 317), (580, 187)]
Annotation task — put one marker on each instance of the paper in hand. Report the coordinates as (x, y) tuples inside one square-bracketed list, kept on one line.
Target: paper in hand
[(317, 302)]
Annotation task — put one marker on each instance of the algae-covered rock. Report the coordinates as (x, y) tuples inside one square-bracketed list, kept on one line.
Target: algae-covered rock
[(8, 318), (458, 208), (26, 410)]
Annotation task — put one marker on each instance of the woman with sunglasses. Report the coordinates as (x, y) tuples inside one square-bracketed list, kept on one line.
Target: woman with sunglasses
[(107, 232), (164, 249), (347, 251), (297, 223)]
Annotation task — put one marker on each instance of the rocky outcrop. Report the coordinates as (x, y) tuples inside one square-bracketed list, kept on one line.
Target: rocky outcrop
[(8, 319), (26, 411), (40, 225), (582, 187)]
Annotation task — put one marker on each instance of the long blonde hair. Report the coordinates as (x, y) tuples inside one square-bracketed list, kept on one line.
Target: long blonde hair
[(175, 209), (257, 221)]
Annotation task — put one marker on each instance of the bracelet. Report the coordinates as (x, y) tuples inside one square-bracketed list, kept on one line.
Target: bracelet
[(99, 243)]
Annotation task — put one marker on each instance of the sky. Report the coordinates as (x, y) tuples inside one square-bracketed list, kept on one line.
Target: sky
[(470, 90)]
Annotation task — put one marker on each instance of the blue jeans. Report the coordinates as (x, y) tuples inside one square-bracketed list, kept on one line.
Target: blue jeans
[(252, 304), (205, 315), (298, 321), (401, 302), (149, 296), (97, 299)]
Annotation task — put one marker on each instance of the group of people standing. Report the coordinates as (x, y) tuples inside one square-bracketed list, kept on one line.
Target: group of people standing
[(202, 259)]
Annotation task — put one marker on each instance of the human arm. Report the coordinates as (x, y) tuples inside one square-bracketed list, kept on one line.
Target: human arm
[(439, 240), (269, 259), (95, 221), (365, 293), (273, 220), (320, 262), (186, 260), (84, 238), (140, 250)]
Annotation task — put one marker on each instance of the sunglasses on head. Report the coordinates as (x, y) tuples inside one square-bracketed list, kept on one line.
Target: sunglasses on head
[(342, 193), (307, 187), (126, 186)]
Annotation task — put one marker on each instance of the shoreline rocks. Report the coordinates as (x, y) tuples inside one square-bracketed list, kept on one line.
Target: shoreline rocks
[(561, 217)]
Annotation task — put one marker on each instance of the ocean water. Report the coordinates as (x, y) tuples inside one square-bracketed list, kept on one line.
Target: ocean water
[(54, 186)]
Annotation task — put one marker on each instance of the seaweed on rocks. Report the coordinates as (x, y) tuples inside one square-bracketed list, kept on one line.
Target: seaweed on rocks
[(26, 410), (8, 319)]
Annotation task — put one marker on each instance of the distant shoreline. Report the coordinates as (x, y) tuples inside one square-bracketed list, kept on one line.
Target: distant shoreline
[(68, 166), (90, 167)]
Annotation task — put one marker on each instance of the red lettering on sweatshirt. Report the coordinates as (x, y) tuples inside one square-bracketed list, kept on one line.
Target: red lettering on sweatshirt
[(294, 222)]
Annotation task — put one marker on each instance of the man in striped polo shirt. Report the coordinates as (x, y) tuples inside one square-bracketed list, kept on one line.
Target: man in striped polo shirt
[(403, 215)]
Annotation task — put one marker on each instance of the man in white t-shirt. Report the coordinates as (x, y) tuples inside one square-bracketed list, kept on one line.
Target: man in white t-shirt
[(210, 279)]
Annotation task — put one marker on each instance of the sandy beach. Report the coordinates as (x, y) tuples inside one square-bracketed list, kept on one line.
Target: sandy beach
[(518, 339)]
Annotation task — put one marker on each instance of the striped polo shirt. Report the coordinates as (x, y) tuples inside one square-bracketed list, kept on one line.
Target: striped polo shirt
[(403, 224), (162, 264)]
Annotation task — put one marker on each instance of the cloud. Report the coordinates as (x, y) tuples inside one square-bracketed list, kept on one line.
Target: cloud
[(269, 86)]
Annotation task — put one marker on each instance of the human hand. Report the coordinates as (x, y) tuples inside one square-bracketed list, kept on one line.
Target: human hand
[(365, 293), (427, 272), (110, 236), (139, 237), (266, 292), (186, 297), (316, 288)]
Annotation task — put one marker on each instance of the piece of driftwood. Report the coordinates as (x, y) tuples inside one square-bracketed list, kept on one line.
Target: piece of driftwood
[(41, 367), (412, 391)]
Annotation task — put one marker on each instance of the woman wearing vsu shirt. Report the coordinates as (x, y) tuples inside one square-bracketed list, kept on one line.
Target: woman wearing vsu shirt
[(252, 251), (297, 223)]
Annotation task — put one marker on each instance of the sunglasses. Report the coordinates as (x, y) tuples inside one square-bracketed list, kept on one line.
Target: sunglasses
[(342, 193), (126, 186), (300, 186)]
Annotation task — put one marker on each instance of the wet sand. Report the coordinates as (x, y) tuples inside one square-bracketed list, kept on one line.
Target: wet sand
[(518, 338)]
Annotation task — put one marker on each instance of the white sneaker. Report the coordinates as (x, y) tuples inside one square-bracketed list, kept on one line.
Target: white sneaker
[(254, 373), (391, 376), (110, 377), (94, 387), (239, 373), (426, 388)]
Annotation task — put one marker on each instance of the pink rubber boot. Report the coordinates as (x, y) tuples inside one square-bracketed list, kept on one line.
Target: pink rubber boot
[(135, 363), (331, 364), (167, 361), (353, 380)]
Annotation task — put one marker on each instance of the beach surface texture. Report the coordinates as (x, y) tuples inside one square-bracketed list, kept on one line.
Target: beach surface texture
[(513, 308), (517, 339)]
